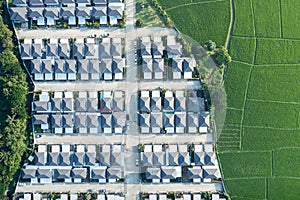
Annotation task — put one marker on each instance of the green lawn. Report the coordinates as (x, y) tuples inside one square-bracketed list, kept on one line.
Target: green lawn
[(290, 18), (267, 17), (149, 15), (287, 162), (236, 84), (283, 188), (246, 164), (233, 117), (243, 49), (243, 25), (239, 188), (201, 22), (272, 51), (169, 4)]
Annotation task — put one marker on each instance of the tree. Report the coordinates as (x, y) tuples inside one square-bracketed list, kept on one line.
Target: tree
[(222, 56), (139, 23), (209, 45)]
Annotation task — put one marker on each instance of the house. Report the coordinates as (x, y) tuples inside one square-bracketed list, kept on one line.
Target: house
[(158, 68), (56, 123), (144, 122), (192, 123), (118, 103), (168, 102), (35, 3), (106, 105), (210, 173), (78, 159), (19, 3), (92, 122), (51, 3), (156, 122), (63, 49), (99, 13), (78, 49), (153, 173), (41, 122), (47, 69), (68, 3), (90, 158), (40, 158), (67, 123), (174, 49), (83, 3), (51, 50), (169, 125), (53, 159), (170, 172), (147, 159), (115, 12), (104, 48), (147, 68), (36, 14), (188, 67), (80, 123), (179, 103), (184, 159), (36, 70), (180, 122), (195, 104), (18, 16), (78, 174), (62, 174), (64, 159), (105, 155), (145, 47), (116, 48), (83, 69), (29, 173), (100, 2), (106, 120), (119, 122), (40, 106), (98, 173), (155, 103), (44, 175), (70, 69), (204, 122), (144, 104), (52, 15), (177, 68), (26, 51), (83, 14), (89, 50), (114, 173), (159, 159), (199, 158), (117, 159), (157, 48), (68, 14), (117, 68), (106, 69), (36, 50), (60, 70)]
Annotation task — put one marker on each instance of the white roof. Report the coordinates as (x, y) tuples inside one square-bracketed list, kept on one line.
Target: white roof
[(44, 96), (79, 40), (145, 93), (157, 148), (68, 94), (209, 148), (64, 196), (155, 93), (38, 41), (53, 41), (80, 148), (182, 148), (101, 197), (37, 196), (147, 148), (55, 148), (74, 196), (90, 40), (106, 148), (65, 148), (42, 148), (91, 148), (82, 95), (198, 148), (173, 148), (57, 94), (27, 41), (116, 148), (93, 94), (215, 197), (152, 197), (179, 93), (64, 41), (27, 196), (169, 94)]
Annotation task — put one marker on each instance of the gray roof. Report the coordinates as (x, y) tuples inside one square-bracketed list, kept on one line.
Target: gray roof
[(89, 49), (35, 12), (168, 103), (144, 104), (36, 50), (28, 173), (51, 11), (43, 173), (92, 121), (147, 65), (36, 66), (179, 104), (212, 173), (53, 158), (118, 104), (93, 66), (67, 12), (25, 50), (40, 119), (99, 11), (184, 159), (106, 66), (144, 120), (114, 1), (155, 104), (67, 104), (79, 173), (40, 106), (80, 121), (56, 104), (202, 117), (115, 173), (92, 104), (210, 158), (83, 1), (83, 66), (78, 49), (46, 66), (145, 48), (199, 158), (195, 104), (105, 158), (157, 49), (117, 159), (188, 64), (51, 49), (116, 49), (193, 120), (63, 50), (70, 66), (175, 49), (100, 1), (177, 64), (78, 158), (173, 158), (153, 173), (168, 172), (114, 10), (169, 120), (59, 66), (61, 173), (80, 104), (106, 120), (67, 1), (67, 121), (90, 158), (18, 14), (195, 172), (105, 104), (50, 2), (104, 50), (64, 158), (83, 11), (56, 121), (156, 119), (119, 119), (158, 65), (180, 120), (18, 2), (35, 2), (98, 173), (148, 159), (159, 158), (117, 65)]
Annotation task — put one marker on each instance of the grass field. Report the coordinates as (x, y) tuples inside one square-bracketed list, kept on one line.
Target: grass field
[(287, 162), (233, 116), (283, 188), (290, 18), (236, 84), (243, 23), (149, 15), (244, 49), (170, 4), (240, 187), (203, 23)]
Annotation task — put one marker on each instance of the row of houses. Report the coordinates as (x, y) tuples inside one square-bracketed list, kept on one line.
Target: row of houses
[(51, 16), (82, 48), (64, 3), (65, 196), (178, 196), (84, 70)]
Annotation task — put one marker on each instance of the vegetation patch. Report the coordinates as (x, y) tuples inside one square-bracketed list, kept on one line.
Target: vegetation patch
[(283, 188), (236, 83), (243, 49), (243, 23), (169, 4), (233, 117), (147, 15), (239, 188), (290, 18), (246, 164), (287, 162)]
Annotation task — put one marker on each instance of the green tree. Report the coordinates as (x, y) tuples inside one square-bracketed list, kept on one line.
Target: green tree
[(139, 23), (209, 45), (222, 56)]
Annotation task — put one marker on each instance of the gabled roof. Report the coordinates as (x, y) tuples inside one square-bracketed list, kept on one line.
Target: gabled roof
[(92, 104), (99, 11), (168, 120), (105, 158), (199, 158), (50, 2), (35, 12), (79, 173), (36, 66), (83, 11), (156, 119), (55, 104), (179, 104), (177, 64), (168, 172), (67, 104), (40, 106), (28, 173), (153, 173), (59, 66), (106, 120), (100, 1), (180, 120), (175, 49), (115, 10), (63, 50), (40, 119), (80, 121), (67, 12), (67, 1), (192, 120), (83, 1), (116, 49), (25, 50), (92, 121), (53, 158), (62, 173), (158, 158), (144, 104), (147, 65), (173, 158), (195, 172), (18, 2), (147, 158), (104, 50), (105, 104), (119, 119), (184, 159), (118, 104), (64, 158), (158, 65), (211, 172), (115, 173), (83, 66), (46, 66), (106, 66), (117, 65), (90, 158), (78, 49), (78, 158), (157, 49), (40, 158), (188, 64), (117, 159), (145, 48), (89, 49), (210, 158), (36, 50), (144, 120), (70, 66), (56, 121), (168, 103), (35, 2), (18, 14), (43, 173), (195, 104), (98, 173), (51, 49), (80, 104)]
